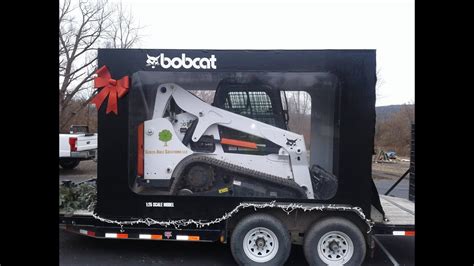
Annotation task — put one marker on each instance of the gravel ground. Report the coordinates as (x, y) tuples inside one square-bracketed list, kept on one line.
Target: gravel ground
[(84, 171), (390, 170)]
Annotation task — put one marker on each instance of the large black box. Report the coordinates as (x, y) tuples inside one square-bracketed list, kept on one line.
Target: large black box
[(352, 73)]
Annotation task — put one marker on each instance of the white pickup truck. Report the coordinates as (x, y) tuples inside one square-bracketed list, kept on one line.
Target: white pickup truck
[(77, 146)]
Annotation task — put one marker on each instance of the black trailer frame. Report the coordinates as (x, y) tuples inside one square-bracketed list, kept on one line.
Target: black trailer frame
[(398, 222)]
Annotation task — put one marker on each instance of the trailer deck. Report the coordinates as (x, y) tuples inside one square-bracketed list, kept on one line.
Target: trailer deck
[(399, 217), (398, 210)]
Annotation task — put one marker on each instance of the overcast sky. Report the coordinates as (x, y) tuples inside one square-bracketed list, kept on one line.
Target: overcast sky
[(387, 26)]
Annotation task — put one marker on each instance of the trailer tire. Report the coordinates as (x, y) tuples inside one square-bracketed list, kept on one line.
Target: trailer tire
[(260, 239), (69, 163), (334, 240)]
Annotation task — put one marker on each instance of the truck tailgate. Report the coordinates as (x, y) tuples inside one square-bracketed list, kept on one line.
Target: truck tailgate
[(87, 143)]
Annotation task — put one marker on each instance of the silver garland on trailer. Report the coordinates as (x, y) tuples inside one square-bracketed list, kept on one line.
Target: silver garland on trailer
[(70, 199), (288, 208)]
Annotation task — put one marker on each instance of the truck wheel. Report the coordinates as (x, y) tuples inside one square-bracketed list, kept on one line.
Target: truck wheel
[(260, 239), (334, 241), (69, 163)]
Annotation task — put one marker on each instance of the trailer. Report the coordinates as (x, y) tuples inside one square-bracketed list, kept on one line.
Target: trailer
[(399, 222), (173, 168)]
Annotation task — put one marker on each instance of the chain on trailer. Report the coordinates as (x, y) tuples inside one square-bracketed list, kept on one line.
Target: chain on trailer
[(288, 208)]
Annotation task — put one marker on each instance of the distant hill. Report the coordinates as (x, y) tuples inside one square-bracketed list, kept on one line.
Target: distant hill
[(384, 112)]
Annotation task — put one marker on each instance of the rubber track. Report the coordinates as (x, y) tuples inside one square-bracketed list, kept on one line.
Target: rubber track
[(178, 173)]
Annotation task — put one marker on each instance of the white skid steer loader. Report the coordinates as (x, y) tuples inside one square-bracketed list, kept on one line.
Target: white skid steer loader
[(238, 146)]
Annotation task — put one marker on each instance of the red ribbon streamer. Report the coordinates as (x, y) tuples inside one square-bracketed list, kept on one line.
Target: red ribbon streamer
[(113, 88)]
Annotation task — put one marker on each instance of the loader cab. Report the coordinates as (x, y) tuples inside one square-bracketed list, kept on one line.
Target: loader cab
[(255, 100)]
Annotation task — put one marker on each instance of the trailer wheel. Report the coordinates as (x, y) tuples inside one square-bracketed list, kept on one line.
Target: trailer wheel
[(69, 163), (260, 239), (334, 241)]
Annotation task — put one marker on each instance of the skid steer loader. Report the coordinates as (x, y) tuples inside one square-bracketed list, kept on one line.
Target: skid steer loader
[(238, 146)]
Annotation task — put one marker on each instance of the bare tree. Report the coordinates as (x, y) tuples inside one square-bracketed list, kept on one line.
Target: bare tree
[(299, 109), (83, 28), (408, 110), (205, 95), (299, 102), (379, 83), (124, 29), (80, 29), (394, 133)]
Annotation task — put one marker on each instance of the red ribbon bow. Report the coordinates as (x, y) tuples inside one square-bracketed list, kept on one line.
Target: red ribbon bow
[(113, 88)]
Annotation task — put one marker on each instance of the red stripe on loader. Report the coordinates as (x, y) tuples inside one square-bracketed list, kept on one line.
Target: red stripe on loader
[(239, 143)]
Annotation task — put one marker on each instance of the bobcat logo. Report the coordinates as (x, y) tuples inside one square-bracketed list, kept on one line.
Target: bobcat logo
[(152, 61), (290, 142), (182, 61)]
